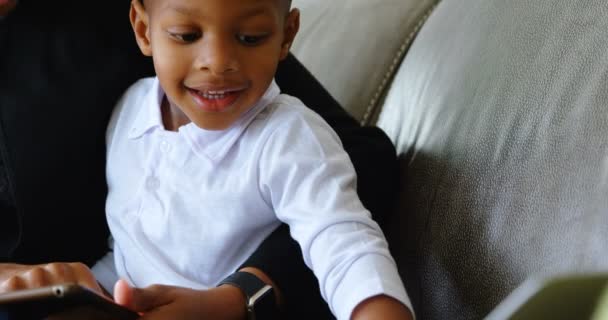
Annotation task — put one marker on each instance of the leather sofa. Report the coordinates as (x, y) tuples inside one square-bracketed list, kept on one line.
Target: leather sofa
[(499, 114)]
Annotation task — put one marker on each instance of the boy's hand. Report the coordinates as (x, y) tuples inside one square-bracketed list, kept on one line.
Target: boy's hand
[(168, 302), (17, 277), (381, 307)]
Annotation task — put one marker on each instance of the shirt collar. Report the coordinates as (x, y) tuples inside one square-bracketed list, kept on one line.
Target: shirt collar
[(149, 115), (209, 144), (215, 144)]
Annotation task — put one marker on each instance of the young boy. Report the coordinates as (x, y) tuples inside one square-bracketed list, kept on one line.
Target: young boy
[(207, 159)]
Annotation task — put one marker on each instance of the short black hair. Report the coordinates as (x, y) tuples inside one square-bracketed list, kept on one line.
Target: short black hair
[(288, 3)]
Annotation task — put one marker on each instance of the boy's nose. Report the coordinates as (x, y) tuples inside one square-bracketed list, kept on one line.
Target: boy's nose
[(217, 57)]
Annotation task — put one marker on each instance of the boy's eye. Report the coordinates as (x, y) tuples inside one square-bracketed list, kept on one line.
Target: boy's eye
[(249, 40), (185, 37)]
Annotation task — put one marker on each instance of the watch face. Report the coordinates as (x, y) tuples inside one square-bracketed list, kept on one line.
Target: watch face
[(259, 295), (264, 306)]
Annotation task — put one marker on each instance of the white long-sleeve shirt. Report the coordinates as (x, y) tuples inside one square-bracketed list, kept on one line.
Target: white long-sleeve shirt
[(186, 208)]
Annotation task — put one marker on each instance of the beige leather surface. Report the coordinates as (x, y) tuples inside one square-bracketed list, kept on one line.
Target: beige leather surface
[(500, 116), (354, 46)]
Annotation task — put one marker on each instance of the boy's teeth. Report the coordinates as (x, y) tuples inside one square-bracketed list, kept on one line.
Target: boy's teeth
[(213, 94)]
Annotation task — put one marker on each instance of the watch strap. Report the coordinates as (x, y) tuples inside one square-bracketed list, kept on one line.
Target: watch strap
[(260, 299)]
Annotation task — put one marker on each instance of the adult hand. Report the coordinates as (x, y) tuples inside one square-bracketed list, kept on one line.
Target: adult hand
[(169, 302), (17, 276), (6, 6)]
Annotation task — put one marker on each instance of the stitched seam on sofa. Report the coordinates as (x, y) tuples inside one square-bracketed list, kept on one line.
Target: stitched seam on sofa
[(375, 101)]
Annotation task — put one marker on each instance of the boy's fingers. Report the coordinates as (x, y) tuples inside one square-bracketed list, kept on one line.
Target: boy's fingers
[(141, 300), (123, 294), (150, 298)]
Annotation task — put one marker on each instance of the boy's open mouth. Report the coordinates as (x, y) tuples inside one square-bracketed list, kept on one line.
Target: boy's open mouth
[(215, 100)]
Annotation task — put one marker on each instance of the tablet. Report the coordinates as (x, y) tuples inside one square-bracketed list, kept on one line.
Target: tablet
[(77, 301), (570, 296)]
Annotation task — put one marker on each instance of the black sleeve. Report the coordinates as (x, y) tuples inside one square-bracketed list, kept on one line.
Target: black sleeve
[(8, 210), (61, 73), (374, 158)]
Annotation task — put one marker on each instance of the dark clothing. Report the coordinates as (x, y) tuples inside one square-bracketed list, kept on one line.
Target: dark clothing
[(60, 77), (61, 72), (8, 206)]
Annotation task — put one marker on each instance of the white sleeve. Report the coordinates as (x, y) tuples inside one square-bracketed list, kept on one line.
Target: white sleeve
[(311, 183), (104, 270)]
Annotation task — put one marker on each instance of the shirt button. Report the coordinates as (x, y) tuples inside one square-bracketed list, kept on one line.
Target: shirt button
[(165, 146), (152, 183)]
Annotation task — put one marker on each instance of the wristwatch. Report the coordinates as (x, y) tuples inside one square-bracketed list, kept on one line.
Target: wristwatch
[(259, 296)]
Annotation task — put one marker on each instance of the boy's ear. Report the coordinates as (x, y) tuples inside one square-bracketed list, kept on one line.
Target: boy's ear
[(292, 25), (140, 23)]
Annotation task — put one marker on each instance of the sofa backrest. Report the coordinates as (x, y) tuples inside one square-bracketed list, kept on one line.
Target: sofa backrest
[(499, 113), (354, 47)]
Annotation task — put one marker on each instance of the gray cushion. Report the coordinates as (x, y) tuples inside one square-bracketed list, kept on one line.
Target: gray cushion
[(354, 46), (499, 113)]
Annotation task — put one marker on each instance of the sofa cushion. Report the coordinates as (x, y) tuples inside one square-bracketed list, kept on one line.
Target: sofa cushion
[(499, 113), (354, 46)]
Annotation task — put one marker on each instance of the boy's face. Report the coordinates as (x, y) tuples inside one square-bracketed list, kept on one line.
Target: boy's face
[(214, 58)]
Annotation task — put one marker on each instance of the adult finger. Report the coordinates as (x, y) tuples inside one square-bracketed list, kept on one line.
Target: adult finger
[(8, 270), (61, 273), (37, 277), (84, 276), (12, 284)]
